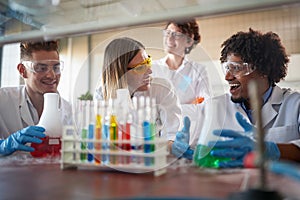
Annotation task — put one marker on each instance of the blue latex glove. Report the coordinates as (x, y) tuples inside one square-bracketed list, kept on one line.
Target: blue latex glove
[(240, 145), (180, 147), (17, 140)]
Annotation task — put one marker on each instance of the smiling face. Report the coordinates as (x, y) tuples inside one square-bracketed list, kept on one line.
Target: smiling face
[(239, 84), (176, 44), (138, 81), (40, 83)]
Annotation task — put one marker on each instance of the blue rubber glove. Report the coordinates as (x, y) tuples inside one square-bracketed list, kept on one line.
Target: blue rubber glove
[(180, 147), (17, 140), (240, 145)]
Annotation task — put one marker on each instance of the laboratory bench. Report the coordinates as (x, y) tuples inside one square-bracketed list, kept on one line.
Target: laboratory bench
[(36, 179)]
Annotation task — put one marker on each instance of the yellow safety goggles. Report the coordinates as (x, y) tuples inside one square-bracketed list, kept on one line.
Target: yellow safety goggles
[(143, 66)]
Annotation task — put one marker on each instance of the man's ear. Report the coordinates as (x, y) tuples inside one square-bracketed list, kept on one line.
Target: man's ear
[(22, 70)]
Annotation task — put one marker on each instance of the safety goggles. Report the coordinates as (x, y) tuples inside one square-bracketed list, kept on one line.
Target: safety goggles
[(237, 69), (44, 66), (142, 67), (175, 35)]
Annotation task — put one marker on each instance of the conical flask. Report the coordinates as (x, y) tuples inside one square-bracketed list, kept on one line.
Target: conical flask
[(50, 118), (51, 121)]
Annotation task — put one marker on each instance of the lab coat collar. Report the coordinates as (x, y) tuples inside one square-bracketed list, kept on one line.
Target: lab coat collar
[(24, 110), (268, 111), (185, 60)]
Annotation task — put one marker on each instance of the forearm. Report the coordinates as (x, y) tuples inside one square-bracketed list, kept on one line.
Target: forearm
[(289, 152)]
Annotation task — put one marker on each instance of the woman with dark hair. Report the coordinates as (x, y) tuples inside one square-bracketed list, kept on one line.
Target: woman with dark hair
[(189, 78), (127, 65)]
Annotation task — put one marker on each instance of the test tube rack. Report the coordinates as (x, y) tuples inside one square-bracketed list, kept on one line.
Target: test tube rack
[(133, 161)]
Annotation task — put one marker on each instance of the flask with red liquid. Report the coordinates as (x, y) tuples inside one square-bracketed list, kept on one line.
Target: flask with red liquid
[(51, 121)]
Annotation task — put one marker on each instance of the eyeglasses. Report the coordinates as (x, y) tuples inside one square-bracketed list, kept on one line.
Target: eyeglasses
[(175, 35), (143, 66), (237, 69), (44, 66)]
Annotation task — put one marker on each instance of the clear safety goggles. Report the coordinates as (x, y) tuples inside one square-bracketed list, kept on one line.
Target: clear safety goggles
[(175, 35), (44, 66), (143, 66), (237, 69)]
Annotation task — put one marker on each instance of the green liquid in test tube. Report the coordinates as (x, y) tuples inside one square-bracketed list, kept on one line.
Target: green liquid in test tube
[(83, 156), (153, 133), (84, 132)]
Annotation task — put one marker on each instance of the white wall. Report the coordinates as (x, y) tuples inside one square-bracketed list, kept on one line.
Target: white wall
[(10, 59)]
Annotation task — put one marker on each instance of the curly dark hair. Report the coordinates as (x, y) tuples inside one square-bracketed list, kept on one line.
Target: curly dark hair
[(26, 48), (264, 51), (189, 27)]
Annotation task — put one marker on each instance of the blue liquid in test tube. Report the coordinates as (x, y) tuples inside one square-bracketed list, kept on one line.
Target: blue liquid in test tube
[(147, 147), (90, 145)]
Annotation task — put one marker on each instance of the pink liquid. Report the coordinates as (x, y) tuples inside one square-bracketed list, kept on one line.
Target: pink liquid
[(50, 147)]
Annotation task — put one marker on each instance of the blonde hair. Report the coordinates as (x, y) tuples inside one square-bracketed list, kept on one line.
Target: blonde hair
[(117, 56)]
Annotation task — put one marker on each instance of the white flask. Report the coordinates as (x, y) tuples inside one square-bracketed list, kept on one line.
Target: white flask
[(51, 116)]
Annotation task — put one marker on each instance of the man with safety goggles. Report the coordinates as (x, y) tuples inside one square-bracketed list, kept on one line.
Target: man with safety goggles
[(248, 57), (21, 107)]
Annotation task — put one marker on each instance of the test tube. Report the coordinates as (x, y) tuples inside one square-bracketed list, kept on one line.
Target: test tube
[(83, 155), (141, 118), (98, 130), (105, 133), (126, 136), (153, 124), (113, 131), (91, 129), (133, 130), (124, 122), (147, 131), (122, 130)]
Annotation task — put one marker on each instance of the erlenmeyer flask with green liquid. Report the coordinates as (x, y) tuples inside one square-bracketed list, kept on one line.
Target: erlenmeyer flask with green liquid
[(212, 121)]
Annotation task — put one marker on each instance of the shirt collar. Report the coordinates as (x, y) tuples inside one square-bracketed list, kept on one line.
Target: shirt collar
[(267, 95), (265, 98)]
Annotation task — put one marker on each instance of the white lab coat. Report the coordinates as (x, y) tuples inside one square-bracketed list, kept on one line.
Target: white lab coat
[(17, 111), (190, 81), (280, 116)]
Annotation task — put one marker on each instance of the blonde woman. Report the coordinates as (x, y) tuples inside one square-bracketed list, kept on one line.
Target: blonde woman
[(127, 65)]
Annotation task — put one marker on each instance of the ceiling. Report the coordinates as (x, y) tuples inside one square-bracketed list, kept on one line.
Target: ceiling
[(49, 19)]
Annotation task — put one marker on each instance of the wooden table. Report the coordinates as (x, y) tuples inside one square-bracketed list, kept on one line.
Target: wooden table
[(39, 180)]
